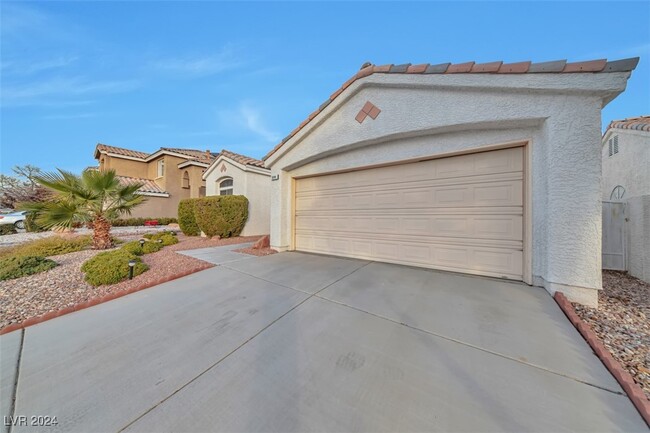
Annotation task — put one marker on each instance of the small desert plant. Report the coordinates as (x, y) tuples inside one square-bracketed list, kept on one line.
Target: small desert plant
[(167, 238), (148, 247), (7, 229), (16, 267), (50, 246), (111, 267)]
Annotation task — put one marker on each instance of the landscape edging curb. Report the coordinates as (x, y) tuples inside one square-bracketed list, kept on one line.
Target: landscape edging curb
[(99, 300), (625, 379)]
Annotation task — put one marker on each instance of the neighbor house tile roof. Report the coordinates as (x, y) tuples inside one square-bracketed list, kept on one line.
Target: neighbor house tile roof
[(641, 123), (149, 185), (242, 159), (194, 154), (121, 151), (527, 67)]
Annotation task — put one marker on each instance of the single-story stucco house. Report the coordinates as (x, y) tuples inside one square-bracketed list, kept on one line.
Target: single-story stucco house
[(232, 173), (490, 169)]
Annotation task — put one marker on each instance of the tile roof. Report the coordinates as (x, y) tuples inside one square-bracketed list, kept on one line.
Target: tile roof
[(149, 185), (194, 154), (527, 67), (641, 123), (242, 159), (121, 151)]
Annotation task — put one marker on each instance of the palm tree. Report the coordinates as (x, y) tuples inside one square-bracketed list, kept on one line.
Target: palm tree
[(95, 197)]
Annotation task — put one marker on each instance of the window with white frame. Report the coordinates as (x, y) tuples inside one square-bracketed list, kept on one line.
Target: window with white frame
[(225, 187), (161, 167)]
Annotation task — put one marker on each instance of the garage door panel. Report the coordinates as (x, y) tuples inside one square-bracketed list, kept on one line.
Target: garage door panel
[(463, 213), (504, 193), (499, 161), (504, 227), (473, 259)]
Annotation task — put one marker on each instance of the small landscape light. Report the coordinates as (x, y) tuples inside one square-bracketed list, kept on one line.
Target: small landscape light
[(141, 243), (131, 266), (159, 241)]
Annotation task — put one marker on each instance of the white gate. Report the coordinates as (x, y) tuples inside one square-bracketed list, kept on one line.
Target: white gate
[(614, 236)]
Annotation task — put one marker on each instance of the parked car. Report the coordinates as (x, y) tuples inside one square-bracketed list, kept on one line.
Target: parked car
[(15, 218)]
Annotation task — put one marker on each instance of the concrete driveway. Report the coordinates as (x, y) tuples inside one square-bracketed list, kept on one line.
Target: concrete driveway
[(300, 342)]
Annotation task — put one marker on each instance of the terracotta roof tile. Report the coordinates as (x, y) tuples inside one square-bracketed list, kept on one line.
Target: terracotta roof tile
[(557, 66), (641, 123), (193, 154), (242, 159), (121, 151), (149, 185)]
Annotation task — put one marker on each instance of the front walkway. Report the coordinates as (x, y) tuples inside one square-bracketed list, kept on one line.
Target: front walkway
[(300, 342)]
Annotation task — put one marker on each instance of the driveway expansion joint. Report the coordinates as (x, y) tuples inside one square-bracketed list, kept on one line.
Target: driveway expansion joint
[(241, 345), (14, 393), (471, 346)]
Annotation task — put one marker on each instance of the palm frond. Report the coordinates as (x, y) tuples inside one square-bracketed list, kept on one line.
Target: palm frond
[(58, 214)]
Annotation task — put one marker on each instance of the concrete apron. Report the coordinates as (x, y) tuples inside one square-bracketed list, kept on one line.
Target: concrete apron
[(260, 346)]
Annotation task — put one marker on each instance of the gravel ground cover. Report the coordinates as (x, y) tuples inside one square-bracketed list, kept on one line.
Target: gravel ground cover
[(19, 238), (64, 286), (622, 322)]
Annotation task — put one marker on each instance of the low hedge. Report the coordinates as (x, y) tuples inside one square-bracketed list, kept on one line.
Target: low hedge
[(21, 266), (221, 215), (186, 218), (168, 238), (111, 267), (7, 229), (148, 247), (123, 222), (50, 246)]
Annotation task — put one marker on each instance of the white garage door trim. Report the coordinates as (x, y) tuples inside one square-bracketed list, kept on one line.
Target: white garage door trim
[(526, 221)]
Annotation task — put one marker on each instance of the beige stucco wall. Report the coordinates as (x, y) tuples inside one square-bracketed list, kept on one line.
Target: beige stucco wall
[(156, 207), (170, 182), (124, 167), (254, 186), (630, 167), (428, 115)]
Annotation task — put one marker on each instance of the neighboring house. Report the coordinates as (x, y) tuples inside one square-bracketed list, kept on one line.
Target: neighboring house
[(626, 179), (626, 158), (490, 169), (169, 175), (232, 173)]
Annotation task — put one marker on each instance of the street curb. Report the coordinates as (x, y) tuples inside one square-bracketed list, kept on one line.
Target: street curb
[(633, 391), (100, 300)]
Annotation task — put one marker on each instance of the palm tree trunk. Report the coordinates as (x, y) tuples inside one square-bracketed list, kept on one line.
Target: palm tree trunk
[(101, 234)]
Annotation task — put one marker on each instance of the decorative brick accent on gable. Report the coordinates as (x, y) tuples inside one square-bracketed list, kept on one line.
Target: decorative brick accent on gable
[(368, 109)]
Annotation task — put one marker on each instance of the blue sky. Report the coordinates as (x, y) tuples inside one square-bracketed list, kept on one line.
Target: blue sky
[(240, 76)]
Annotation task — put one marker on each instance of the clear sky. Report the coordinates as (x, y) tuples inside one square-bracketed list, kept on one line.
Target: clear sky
[(240, 76)]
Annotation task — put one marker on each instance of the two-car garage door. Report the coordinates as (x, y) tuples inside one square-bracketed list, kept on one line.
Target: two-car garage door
[(462, 213)]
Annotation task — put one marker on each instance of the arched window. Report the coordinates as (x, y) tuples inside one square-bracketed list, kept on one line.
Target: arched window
[(225, 187), (186, 180)]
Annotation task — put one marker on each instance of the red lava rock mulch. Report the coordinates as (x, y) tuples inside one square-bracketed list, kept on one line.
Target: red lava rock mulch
[(622, 323), (64, 288)]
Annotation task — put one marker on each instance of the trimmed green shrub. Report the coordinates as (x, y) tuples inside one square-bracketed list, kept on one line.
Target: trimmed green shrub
[(123, 222), (167, 238), (7, 229), (16, 267), (186, 219), (221, 215), (50, 246), (111, 267), (148, 247)]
